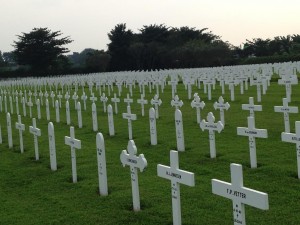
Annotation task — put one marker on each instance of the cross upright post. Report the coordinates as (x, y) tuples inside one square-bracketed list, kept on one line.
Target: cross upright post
[(177, 177), (74, 144), (128, 157), (294, 138), (239, 194)]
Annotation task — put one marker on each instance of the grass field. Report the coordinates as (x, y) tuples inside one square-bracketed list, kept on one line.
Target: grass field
[(30, 193)]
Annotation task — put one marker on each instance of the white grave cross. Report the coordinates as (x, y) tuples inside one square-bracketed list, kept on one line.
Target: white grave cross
[(177, 177), (129, 118), (176, 102), (143, 102), (36, 133), (252, 133), (74, 144), (116, 101), (251, 107), (294, 138), (196, 103), (211, 126), (221, 106), (135, 162), (239, 194), (104, 99), (21, 128), (286, 109), (156, 102), (128, 100)]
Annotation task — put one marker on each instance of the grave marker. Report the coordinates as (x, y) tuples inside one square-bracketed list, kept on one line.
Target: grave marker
[(294, 138), (94, 117), (176, 102), (156, 102), (128, 100), (101, 159), (21, 128), (0, 135), (142, 102), (11, 105), (75, 97), (152, 121), (36, 133), (79, 115), (104, 99), (68, 117), (239, 194), (128, 157), (116, 101), (52, 148), (251, 107), (252, 133), (74, 144), (198, 104), (110, 119), (129, 116), (177, 177), (17, 105), (30, 104), (9, 131), (286, 109), (47, 110), (179, 130), (24, 106), (221, 106), (38, 106), (57, 111), (211, 127), (84, 98)]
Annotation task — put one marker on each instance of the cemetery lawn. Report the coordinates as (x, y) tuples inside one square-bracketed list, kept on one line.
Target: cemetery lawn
[(30, 193)]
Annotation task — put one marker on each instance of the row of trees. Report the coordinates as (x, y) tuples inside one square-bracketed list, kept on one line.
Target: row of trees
[(42, 51)]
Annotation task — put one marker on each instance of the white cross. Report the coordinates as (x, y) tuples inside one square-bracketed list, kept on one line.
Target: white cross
[(104, 99), (251, 107), (177, 177), (211, 127), (173, 83), (239, 194), (221, 106), (52, 95), (209, 82), (128, 100), (21, 128), (286, 109), (129, 118), (40, 94), (252, 133), (67, 96), (156, 102), (93, 98), (36, 133), (75, 97), (30, 104), (143, 102), (176, 102), (84, 98), (294, 138), (59, 96), (288, 81), (198, 104), (258, 84), (135, 162), (74, 144), (116, 101)]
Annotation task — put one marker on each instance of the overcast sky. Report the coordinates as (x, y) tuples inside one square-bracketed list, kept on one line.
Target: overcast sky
[(87, 22)]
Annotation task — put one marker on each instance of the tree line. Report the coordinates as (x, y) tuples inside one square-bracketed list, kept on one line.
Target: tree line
[(153, 47)]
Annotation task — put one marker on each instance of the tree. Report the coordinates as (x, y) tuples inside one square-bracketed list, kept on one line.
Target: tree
[(97, 61), (120, 39), (41, 49), (2, 62)]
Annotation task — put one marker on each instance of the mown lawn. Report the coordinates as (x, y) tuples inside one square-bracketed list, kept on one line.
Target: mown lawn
[(30, 193)]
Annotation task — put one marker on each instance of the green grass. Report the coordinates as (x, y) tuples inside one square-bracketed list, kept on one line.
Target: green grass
[(30, 193)]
